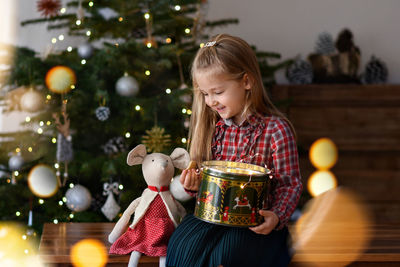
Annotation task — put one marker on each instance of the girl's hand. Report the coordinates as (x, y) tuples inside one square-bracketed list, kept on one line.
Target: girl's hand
[(271, 220), (190, 179)]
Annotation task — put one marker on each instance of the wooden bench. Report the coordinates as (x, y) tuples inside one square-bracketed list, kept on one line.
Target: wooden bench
[(57, 240)]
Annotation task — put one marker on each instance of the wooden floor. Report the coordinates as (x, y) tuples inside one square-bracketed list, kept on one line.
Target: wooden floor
[(58, 239)]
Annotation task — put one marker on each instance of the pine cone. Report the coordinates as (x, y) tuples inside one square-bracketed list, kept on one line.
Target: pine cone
[(375, 71), (300, 72), (325, 44)]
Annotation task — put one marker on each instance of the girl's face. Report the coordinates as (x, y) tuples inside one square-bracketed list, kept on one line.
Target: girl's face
[(224, 95)]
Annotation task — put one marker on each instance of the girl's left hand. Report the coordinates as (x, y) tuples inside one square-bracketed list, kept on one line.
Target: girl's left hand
[(271, 220)]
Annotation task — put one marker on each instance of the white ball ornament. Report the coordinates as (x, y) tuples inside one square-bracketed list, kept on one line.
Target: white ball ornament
[(15, 163), (42, 181), (78, 198), (32, 101), (127, 86), (85, 50)]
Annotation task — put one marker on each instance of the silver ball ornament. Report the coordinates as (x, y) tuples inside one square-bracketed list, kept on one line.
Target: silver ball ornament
[(15, 163), (32, 101), (85, 50), (127, 86), (78, 198)]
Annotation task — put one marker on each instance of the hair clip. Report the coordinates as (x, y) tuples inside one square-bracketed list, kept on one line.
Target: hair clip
[(209, 44)]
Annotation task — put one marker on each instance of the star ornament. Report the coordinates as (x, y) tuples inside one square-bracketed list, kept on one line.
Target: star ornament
[(49, 8)]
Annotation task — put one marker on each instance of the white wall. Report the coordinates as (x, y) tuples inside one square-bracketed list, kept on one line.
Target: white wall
[(291, 27)]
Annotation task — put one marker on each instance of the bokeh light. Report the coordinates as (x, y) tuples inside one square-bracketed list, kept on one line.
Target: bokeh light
[(59, 79), (320, 182), (323, 153), (334, 223), (15, 247), (42, 181), (89, 253)]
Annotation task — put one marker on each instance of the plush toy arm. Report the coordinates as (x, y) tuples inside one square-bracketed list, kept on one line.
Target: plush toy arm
[(181, 209), (122, 224)]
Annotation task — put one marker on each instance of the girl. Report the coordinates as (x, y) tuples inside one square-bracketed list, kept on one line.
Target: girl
[(233, 119)]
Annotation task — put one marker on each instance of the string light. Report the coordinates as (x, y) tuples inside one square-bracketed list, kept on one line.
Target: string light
[(63, 10), (187, 30), (184, 110), (120, 19), (54, 140), (56, 165), (40, 131), (69, 48), (137, 107), (201, 45), (71, 216), (177, 7), (83, 61), (54, 40), (168, 40), (121, 187), (61, 37), (168, 91), (60, 203), (72, 86), (147, 72), (48, 123), (18, 213), (71, 185), (127, 134), (88, 33), (78, 22), (184, 140), (55, 221), (41, 123), (28, 119), (41, 201), (146, 15), (148, 44), (64, 199), (24, 237), (189, 112), (16, 173), (90, 4), (30, 149), (26, 251), (18, 150), (48, 97)]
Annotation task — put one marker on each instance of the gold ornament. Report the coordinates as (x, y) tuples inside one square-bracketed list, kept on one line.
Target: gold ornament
[(32, 101), (156, 140)]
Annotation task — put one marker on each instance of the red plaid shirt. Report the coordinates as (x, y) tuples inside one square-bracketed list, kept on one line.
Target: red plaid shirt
[(264, 141)]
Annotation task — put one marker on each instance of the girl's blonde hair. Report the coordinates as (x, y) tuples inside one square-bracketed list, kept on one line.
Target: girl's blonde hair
[(232, 56)]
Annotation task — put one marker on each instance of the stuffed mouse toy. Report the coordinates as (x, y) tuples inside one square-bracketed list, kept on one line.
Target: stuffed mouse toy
[(157, 213)]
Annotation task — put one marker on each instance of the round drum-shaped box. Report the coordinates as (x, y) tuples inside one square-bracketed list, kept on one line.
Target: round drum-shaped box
[(232, 193)]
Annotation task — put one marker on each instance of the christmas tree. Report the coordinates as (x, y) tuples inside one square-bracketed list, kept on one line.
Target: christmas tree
[(128, 83)]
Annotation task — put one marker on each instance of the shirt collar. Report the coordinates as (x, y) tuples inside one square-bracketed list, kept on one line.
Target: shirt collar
[(252, 120)]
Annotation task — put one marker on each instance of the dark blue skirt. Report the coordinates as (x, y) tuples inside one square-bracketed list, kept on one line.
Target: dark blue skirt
[(198, 243)]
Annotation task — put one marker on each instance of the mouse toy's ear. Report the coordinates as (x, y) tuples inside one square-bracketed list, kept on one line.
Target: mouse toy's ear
[(136, 155), (180, 158)]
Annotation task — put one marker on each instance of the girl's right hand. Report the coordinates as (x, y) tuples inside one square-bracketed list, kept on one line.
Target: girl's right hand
[(190, 179)]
